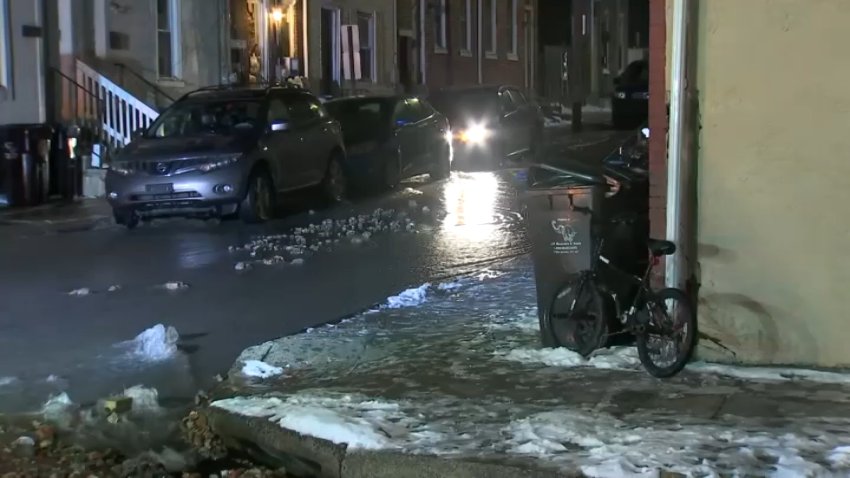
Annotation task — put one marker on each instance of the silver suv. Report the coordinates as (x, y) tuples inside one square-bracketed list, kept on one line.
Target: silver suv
[(225, 151)]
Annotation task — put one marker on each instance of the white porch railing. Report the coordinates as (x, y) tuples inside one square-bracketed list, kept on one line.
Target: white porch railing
[(122, 113)]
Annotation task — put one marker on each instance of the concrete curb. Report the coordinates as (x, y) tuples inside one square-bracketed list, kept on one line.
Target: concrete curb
[(306, 456)]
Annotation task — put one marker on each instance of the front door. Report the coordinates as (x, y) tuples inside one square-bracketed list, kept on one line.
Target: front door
[(283, 146), (314, 127), (406, 124)]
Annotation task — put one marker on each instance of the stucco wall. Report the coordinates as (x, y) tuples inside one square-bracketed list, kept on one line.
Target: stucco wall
[(774, 179), (24, 99)]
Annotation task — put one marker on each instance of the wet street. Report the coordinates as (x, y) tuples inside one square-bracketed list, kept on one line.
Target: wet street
[(74, 303)]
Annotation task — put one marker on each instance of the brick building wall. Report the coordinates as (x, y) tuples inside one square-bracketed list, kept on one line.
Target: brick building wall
[(658, 123), (458, 66)]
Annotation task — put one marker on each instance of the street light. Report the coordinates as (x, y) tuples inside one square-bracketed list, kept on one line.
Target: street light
[(277, 15)]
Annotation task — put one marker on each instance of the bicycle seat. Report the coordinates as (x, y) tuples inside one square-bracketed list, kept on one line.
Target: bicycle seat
[(660, 247)]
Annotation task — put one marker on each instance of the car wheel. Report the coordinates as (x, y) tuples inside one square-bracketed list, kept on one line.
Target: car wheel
[(392, 172), (535, 149), (128, 219), (442, 167), (335, 186), (258, 204)]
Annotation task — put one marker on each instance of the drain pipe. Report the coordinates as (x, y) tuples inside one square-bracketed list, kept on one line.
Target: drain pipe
[(676, 273)]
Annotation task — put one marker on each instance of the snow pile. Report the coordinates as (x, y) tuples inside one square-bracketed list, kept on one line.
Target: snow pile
[(81, 292), (260, 369), (302, 242), (59, 409), (144, 399), (449, 286), (555, 122), (156, 344), (770, 373), (409, 298), (610, 447), (4, 381), (175, 286), (615, 358), (356, 422), (414, 192)]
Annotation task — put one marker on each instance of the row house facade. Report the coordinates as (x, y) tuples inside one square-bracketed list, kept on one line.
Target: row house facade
[(467, 42)]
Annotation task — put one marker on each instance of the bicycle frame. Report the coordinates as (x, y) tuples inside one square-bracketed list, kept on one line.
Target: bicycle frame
[(642, 284)]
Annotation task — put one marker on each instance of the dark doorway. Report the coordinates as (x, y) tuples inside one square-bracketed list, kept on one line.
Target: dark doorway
[(405, 69)]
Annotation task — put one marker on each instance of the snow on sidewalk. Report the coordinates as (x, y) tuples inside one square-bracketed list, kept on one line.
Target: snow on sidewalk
[(598, 444), (469, 379)]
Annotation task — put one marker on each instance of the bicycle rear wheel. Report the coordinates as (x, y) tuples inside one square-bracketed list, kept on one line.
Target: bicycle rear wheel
[(670, 337), (585, 328)]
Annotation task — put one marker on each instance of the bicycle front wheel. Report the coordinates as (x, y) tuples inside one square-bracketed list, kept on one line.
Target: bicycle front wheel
[(577, 316), (670, 336)]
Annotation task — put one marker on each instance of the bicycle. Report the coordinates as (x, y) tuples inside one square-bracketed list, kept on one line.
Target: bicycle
[(641, 311)]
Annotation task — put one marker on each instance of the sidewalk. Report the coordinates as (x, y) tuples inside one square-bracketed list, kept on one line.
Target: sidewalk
[(59, 217), (448, 380)]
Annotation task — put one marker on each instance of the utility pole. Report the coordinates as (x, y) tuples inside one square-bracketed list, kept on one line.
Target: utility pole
[(578, 59)]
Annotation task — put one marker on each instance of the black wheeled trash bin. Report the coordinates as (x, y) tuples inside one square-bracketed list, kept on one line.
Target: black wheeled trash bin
[(563, 235)]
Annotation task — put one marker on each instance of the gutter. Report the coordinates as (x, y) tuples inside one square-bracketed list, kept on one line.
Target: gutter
[(678, 160), (422, 67), (480, 46)]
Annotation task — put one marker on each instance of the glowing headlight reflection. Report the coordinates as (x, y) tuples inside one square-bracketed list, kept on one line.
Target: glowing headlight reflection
[(471, 206), (475, 134)]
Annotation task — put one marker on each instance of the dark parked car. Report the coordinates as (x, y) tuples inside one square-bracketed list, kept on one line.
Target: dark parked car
[(389, 138), (490, 122), (630, 103), (223, 151)]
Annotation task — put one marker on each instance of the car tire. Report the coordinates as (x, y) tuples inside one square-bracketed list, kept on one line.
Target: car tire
[(391, 172), (128, 219), (258, 204), (335, 185), (535, 149), (442, 167)]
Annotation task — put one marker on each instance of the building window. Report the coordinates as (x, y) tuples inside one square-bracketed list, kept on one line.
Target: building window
[(168, 46), (440, 37), (489, 27), (466, 28), (5, 43), (366, 30), (512, 26)]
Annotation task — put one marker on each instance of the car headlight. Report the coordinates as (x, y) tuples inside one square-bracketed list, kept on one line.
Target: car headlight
[(620, 95), (474, 134), (219, 162)]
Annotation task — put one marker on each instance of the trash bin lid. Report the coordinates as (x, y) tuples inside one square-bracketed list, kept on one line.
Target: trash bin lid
[(569, 173)]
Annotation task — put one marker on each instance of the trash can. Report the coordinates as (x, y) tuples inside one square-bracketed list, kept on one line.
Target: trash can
[(562, 231), (568, 211), (25, 168)]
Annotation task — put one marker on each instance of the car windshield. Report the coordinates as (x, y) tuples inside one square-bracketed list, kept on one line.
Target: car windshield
[(475, 104), (361, 119), (224, 117)]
